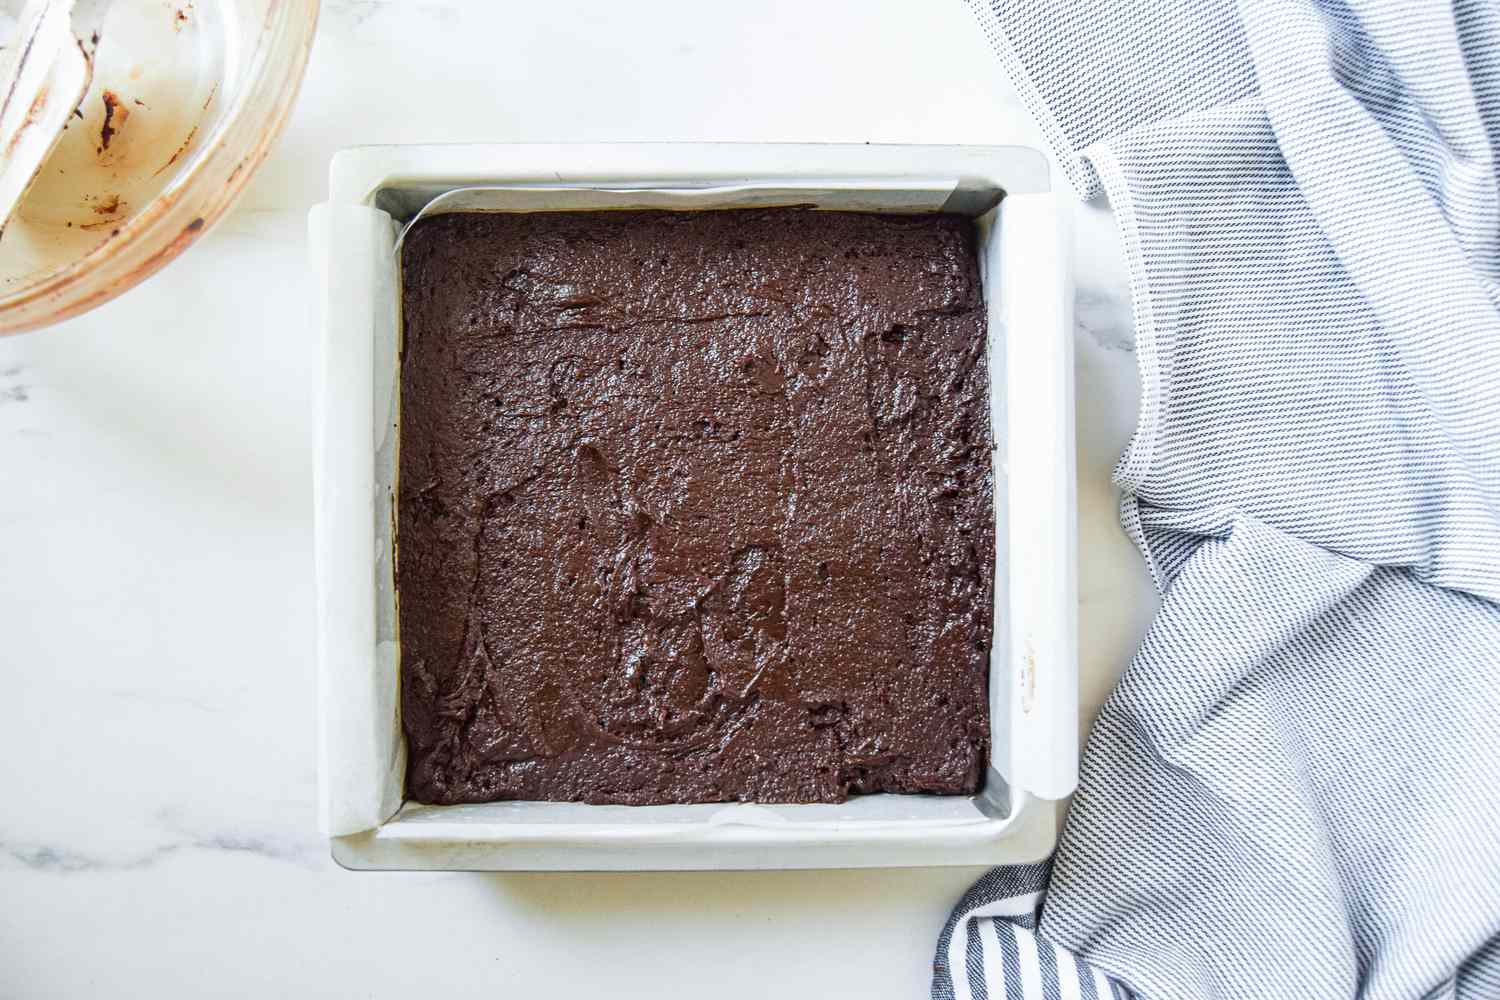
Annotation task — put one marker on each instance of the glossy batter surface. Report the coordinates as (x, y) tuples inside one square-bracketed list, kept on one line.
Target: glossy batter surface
[(693, 507)]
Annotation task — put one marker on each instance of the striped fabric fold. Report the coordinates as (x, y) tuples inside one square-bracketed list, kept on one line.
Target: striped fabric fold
[(990, 948), (1290, 793)]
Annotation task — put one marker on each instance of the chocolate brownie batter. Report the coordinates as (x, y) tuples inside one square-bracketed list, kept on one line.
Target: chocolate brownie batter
[(693, 507)]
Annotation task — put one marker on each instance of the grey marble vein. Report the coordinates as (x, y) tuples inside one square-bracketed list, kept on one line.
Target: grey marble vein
[(16, 392), (1105, 318), (66, 861), (62, 860)]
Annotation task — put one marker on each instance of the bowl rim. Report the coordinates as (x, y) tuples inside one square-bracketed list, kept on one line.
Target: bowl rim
[(173, 221)]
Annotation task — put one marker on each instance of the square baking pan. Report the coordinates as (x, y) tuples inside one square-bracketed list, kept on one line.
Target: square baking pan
[(376, 192)]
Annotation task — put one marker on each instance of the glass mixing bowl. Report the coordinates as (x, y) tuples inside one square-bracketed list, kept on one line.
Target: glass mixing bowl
[(186, 99)]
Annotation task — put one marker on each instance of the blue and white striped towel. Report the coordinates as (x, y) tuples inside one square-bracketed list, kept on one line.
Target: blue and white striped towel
[(1295, 790)]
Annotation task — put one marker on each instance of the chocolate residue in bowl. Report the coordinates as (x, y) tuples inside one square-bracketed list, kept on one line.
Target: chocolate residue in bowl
[(37, 104), (110, 208), (115, 113), (177, 153)]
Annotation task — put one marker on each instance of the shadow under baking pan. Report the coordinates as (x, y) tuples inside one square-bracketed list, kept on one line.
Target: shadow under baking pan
[(584, 900)]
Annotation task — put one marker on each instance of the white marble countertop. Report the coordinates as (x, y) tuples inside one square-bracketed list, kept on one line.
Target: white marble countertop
[(156, 594)]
